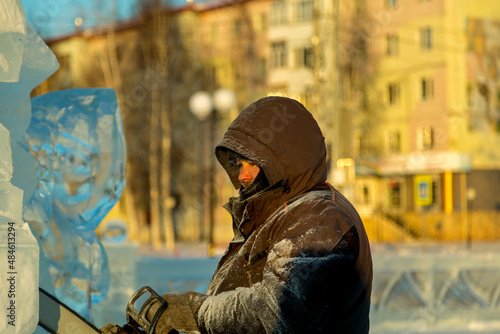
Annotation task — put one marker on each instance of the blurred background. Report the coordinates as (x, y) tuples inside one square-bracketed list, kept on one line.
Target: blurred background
[(407, 93)]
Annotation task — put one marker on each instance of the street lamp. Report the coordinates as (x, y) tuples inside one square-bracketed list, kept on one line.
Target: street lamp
[(206, 107), (471, 196)]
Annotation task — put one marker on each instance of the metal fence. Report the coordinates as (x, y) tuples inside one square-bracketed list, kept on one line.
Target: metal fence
[(415, 293)]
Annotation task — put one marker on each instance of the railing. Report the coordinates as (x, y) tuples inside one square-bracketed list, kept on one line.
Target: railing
[(401, 223), (415, 293)]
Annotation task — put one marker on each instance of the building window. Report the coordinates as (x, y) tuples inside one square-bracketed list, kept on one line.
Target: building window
[(391, 3), (262, 68), (393, 93), (427, 88), (365, 193), (64, 75), (426, 38), (304, 57), (278, 13), (121, 52), (425, 138), (393, 141), (361, 144), (278, 55), (305, 10), (395, 194), (392, 45)]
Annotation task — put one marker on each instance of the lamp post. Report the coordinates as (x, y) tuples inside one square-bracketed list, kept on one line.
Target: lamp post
[(471, 196), (206, 108)]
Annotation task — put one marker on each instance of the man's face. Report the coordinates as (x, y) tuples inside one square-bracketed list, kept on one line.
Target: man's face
[(248, 172)]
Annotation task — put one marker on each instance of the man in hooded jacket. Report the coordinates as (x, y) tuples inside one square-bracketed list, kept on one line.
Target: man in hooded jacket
[(300, 259)]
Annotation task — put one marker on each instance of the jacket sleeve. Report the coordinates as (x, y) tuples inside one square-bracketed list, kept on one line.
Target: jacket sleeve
[(305, 282)]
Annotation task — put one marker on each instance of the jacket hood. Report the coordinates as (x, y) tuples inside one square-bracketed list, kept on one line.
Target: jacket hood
[(282, 138)]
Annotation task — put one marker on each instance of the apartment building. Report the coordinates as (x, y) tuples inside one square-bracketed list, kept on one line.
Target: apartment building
[(435, 150)]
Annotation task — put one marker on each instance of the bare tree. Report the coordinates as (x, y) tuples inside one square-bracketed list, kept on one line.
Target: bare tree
[(172, 180), (112, 73)]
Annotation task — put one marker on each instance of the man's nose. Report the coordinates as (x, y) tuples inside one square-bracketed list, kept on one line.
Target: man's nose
[(244, 174)]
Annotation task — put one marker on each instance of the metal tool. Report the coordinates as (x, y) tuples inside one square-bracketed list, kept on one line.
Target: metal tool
[(57, 318), (138, 318)]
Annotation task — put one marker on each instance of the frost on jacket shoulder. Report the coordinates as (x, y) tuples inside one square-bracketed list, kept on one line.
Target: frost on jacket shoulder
[(314, 278), (301, 260)]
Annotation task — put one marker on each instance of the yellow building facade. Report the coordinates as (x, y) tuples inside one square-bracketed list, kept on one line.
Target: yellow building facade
[(434, 131)]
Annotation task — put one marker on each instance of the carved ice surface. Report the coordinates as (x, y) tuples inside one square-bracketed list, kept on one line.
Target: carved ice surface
[(38, 63), (25, 62), (80, 176), (77, 140), (5, 155), (18, 253), (12, 35)]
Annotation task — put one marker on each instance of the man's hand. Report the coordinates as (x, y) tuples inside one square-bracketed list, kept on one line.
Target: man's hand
[(180, 313)]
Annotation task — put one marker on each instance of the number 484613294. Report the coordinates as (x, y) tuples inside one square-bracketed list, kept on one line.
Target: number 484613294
[(11, 244)]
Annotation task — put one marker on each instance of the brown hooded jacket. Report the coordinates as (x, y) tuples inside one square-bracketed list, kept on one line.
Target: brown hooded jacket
[(300, 260)]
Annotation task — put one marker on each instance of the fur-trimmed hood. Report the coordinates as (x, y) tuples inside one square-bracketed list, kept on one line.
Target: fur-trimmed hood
[(272, 133)]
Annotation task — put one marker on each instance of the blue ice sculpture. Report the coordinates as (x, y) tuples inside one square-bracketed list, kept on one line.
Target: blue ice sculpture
[(76, 137)]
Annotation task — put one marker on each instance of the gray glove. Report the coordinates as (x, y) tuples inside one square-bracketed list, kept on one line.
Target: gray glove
[(180, 313)]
